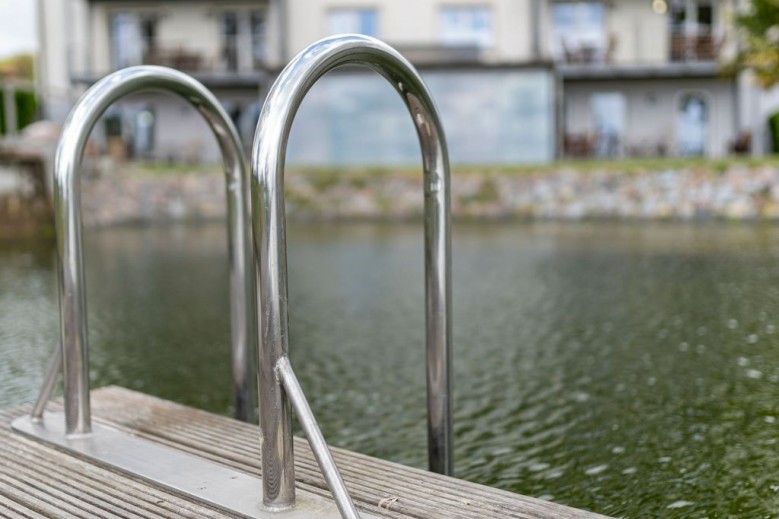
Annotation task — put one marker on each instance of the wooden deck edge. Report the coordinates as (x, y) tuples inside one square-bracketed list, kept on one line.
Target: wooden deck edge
[(379, 487)]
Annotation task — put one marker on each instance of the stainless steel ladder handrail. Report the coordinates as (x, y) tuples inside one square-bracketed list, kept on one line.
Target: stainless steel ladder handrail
[(278, 384), (72, 352)]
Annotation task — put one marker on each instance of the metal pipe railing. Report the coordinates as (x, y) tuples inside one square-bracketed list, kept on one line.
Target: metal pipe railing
[(67, 212), (52, 370), (269, 150), (319, 447)]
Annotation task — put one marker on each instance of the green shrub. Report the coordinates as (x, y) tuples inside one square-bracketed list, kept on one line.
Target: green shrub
[(488, 191), (773, 124), (2, 113), (26, 109)]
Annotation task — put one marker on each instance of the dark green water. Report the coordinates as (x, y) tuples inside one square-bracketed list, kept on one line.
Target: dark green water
[(628, 369)]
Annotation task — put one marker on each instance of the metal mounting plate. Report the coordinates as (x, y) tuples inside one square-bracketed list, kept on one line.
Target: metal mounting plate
[(187, 475)]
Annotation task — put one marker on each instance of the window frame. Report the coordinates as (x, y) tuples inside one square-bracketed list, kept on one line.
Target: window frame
[(354, 10), (141, 17), (561, 48), (490, 39), (244, 43)]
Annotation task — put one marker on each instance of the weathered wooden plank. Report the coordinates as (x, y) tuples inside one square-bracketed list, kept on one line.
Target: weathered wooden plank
[(13, 510), (160, 419), (379, 487), (28, 486), (39, 461)]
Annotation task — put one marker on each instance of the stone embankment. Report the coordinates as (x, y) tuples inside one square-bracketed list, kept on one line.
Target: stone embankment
[(732, 192), (24, 205)]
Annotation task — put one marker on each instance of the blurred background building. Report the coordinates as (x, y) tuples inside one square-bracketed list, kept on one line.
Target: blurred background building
[(516, 80)]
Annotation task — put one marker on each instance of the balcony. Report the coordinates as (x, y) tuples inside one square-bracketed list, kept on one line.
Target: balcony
[(229, 60), (595, 51), (702, 46), (180, 58), (228, 67), (436, 54), (689, 54), (169, 37)]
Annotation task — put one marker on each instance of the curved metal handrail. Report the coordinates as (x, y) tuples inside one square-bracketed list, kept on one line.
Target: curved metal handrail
[(269, 150), (67, 211)]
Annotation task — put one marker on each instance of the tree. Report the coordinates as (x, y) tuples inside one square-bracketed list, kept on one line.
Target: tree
[(21, 66), (758, 26)]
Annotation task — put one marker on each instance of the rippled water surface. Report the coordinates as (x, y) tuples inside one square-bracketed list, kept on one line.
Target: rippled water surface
[(628, 369)]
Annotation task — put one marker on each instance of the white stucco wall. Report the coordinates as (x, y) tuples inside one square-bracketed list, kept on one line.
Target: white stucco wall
[(100, 50), (411, 22), (193, 27), (641, 35)]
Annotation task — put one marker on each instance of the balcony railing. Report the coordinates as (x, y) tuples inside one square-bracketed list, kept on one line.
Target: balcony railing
[(181, 59), (702, 46), (587, 53), (227, 61), (441, 54)]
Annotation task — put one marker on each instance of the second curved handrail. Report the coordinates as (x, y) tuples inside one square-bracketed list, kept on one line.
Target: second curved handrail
[(278, 385)]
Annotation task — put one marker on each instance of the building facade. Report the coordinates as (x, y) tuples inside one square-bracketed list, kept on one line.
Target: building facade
[(228, 47), (516, 80), (645, 78)]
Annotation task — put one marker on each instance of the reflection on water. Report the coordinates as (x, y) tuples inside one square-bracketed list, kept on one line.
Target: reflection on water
[(632, 370)]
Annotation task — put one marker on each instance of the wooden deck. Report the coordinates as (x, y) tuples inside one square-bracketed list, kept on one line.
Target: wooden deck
[(38, 481)]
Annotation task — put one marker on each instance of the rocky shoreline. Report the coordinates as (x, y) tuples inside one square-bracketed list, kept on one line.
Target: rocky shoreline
[(133, 194)]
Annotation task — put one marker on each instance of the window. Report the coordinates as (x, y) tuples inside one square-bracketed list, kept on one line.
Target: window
[(353, 21), (609, 111), (143, 131), (258, 27), (230, 41), (692, 30), (244, 39), (692, 125), (133, 38), (466, 25), (579, 30), (692, 16), (705, 17), (677, 16)]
